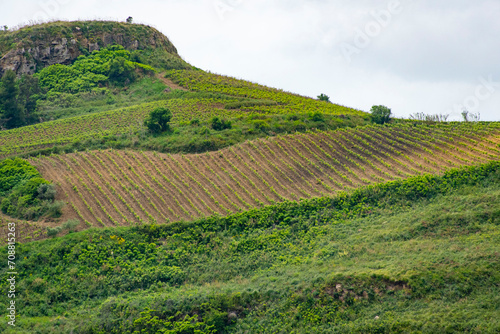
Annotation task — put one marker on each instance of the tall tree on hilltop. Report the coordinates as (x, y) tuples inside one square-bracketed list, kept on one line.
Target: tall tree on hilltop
[(13, 115)]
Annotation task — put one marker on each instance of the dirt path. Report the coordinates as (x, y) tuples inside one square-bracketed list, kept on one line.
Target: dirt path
[(172, 85)]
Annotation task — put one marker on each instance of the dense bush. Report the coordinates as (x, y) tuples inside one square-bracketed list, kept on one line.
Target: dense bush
[(24, 193), (380, 114), (158, 119), (324, 97), (220, 124)]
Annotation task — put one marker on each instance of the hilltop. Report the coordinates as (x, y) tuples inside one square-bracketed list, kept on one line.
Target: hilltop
[(31, 48)]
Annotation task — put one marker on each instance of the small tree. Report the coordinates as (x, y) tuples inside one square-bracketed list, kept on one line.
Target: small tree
[(129, 19), (380, 114), (29, 94), (324, 97), (158, 120), (13, 114)]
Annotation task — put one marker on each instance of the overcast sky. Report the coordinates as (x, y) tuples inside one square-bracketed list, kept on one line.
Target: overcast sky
[(412, 56)]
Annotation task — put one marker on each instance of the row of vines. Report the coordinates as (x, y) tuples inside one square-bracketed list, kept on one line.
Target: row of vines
[(113, 187)]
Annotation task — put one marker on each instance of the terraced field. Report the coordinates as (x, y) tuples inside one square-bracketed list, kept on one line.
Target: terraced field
[(130, 120), (98, 125), (113, 187), (286, 102)]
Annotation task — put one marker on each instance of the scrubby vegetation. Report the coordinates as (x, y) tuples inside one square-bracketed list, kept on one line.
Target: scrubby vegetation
[(112, 65), (158, 119), (24, 193)]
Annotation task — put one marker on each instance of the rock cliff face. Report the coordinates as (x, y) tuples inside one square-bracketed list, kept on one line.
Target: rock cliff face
[(31, 48)]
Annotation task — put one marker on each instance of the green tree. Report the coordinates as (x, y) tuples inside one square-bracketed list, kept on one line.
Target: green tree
[(13, 115), (380, 114), (324, 97), (29, 94), (158, 120)]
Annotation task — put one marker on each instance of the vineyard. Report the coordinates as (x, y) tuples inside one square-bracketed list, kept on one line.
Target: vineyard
[(287, 103), (113, 187), (99, 125)]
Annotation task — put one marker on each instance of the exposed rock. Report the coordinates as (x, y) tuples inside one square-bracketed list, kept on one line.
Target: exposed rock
[(28, 54), (93, 47)]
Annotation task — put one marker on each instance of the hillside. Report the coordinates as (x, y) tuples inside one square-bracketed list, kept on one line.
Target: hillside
[(413, 256), (251, 210)]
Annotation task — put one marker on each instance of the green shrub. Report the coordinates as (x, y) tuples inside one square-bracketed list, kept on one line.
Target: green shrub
[(13, 171), (220, 124), (71, 224), (380, 114), (317, 117), (158, 120), (46, 191), (324, 97), (260, 124), (53, 231), (24, 194)]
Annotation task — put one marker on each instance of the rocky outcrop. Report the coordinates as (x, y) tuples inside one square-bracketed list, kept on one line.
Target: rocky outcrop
[(43, 48)]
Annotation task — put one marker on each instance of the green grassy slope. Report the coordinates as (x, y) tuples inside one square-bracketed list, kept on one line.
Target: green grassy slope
[(414, 256)]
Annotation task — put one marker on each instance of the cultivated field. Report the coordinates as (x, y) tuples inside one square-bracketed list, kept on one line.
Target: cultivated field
[(107, 123), (113, 187), (259, 99)]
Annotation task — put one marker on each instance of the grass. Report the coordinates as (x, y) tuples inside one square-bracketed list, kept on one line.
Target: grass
[(390, 270)]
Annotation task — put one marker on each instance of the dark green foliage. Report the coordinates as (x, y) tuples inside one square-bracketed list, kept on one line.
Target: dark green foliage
[(46, 191), (53, 231), (12, 113), (158, 120), (380, 114), (121, 71), (29, 94), (324, 97), (23, 193), (220, 124), (108, 65), (129, 19), (18, 100), (317, 117)]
